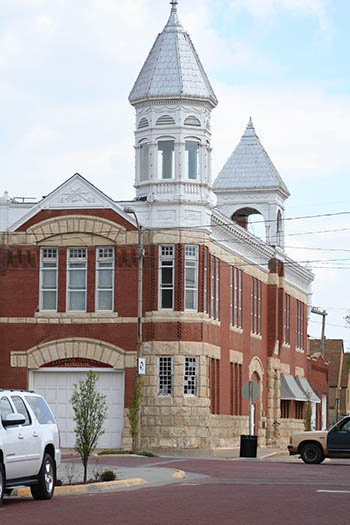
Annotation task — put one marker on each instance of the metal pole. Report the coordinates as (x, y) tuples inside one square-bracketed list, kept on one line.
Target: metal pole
[(250, 408)]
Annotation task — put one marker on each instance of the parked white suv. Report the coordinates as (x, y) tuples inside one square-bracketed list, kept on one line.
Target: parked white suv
[(29, 444)]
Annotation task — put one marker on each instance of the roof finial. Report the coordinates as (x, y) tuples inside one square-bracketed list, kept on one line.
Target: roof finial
[(173, 4)]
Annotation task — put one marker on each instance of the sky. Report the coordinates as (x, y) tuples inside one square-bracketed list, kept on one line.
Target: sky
[(67, 67)]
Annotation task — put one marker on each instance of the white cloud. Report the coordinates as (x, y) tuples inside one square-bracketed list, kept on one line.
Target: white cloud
[(9, 49)]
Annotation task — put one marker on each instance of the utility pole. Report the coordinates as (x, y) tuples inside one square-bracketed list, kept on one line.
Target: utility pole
[(317, 311)]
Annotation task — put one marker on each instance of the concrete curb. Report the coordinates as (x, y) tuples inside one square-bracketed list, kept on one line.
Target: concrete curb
[(105, 486)]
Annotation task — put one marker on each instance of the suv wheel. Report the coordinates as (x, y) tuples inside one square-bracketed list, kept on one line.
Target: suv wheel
[(311, 453), (46, 484), (2, 482)]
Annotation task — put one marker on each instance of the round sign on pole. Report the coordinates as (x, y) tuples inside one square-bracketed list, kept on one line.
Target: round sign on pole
[(254, 389)]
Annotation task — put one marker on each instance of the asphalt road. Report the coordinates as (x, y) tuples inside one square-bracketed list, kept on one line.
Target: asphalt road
[(277, 491)]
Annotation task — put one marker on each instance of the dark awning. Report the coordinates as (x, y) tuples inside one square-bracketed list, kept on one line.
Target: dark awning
[(290, 391), (304, 384)]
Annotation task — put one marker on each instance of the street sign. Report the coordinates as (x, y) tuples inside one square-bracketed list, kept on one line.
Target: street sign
[(141, 366), (250, 390)]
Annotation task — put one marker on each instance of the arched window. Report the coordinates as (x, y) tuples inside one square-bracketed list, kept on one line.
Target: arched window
[(166, 159), (165, 120), (192, 160), (279, 228), (144, 161), (143, 123), (192, 121)]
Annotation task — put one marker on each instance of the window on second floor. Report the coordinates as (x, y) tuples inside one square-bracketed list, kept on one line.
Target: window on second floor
[(256, 306), (236, 297), (76, 279), (104, 279), (300, 325), (191, 277), (286, 319), (48, 279), (166, 276)]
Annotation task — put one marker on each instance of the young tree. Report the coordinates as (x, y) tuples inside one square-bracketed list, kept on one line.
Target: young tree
[(90, 411), (134, 411)]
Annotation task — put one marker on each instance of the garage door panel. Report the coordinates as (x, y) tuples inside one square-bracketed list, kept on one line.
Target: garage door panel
[(58, 387)]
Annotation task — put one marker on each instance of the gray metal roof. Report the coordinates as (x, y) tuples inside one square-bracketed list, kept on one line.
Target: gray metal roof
[(290, 389), (249, 167), (173, 68)]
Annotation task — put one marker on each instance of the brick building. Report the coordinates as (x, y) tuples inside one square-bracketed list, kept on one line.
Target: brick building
[(220, 305)]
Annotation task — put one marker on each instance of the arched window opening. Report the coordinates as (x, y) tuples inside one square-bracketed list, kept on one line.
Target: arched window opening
[(279, 228), (250, 219), (144, 161), (166, 159), (165, 120), (192, 160), (143, 123), (192, 121)]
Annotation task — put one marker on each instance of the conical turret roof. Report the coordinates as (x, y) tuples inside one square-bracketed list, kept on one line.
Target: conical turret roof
[(249, 167), (172, 68)]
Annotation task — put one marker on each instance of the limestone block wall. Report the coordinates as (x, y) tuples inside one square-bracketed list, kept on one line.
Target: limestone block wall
[(226, 430), (287, 427)]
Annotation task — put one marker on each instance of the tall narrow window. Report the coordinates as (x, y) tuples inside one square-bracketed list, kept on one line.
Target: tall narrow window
[(166, 159), (300, 325), (166, 277), (165, 376), (192, 160), (205, 284), (191, 277), (104, 279), (236, 297), (206, 163), (286, 319), (48, 279), (255, 306), (144, 162), (76, 279), (212, 287), (217, 287), (191, 376)]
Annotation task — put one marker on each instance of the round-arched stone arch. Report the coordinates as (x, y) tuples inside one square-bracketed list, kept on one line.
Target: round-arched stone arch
[(74, 348), (256, 365), (83, 224)]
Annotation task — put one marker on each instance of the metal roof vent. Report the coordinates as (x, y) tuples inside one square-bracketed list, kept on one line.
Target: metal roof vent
[(192, 121), (143, 123), (165, 120)]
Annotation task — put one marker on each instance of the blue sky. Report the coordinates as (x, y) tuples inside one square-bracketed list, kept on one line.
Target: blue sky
[(67, 67)]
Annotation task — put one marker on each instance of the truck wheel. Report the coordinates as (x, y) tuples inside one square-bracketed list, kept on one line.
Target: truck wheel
[(2, 482), (311, 453), (46, 483)]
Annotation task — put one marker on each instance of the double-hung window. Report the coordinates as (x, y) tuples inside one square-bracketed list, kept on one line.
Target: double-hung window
[(191, 376), (166, 159), (191, 277), (48, 279), (144, 161), (286, 319), (236, 297), (104, 279), (256, 306), (166, 277), (300, 325), (76, 279), (192, 160), (165, 376)]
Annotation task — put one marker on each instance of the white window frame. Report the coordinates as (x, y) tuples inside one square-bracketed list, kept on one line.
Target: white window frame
[(191, 376), (73, 259), (217, 290), (102, 257), (166, 255), (191, 261), (144, 154), (198, 160), (160, 160), (205, 284), (165, 376), (212, 287), (48, 255)]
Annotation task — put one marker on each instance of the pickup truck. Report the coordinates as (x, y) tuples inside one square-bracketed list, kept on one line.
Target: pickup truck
[(315, 446)]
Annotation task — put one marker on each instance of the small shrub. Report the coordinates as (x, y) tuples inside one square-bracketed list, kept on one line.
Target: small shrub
[(59, 483), (108, 475)]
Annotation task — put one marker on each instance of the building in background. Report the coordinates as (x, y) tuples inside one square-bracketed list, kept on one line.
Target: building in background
[(220, 305)]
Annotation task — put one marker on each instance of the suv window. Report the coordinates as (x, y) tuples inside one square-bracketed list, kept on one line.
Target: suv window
[(5, 407), (40, 409), (21, 409)]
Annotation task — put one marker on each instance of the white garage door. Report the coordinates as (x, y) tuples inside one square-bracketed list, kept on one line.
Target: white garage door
[(57, 387)]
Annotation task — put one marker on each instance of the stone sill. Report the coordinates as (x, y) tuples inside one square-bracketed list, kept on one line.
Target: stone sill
[(256, 336), (236, 329)]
